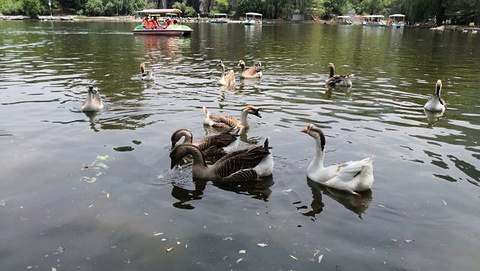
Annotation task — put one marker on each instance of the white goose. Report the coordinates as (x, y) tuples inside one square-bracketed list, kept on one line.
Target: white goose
[(146, 75), (228, 78), (353, 176), (93, 102), (436, 104)]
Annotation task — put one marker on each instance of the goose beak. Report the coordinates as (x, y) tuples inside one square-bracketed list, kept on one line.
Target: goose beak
[(173, 164), (306, 129), (257, 114)]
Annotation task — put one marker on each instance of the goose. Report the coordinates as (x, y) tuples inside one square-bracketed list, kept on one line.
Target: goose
[(252, 72), (239, 166), (93, 102), (146, 75), (221, 144), (436, 104), (474, 31), (335, 79), (228, 78), (227, 121), (353, 176)]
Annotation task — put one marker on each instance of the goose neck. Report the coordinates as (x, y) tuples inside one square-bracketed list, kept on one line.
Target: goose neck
[(244, 118), (319, 154), (331, 71)]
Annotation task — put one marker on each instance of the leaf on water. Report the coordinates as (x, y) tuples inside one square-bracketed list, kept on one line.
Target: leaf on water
[(228, 238), (102, 157), (54, 269), (102, 165), (257, 213), (158, 234), (169, 249), (179, 243), (90, 206), (242, 251), (444, 202), (287, 191), (92, 180), (108, 195), (164, 239), (293, 257), (239, 260), (145, 214), (262, 244), (3, 203), (320, 258)]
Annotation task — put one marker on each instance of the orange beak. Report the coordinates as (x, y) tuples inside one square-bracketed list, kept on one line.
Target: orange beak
[(305, 129)]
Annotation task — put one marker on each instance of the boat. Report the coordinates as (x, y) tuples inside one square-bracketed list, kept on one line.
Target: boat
[(373, 20), (165, 28), (344, 20), (219, 18), (253, 18), (396, 20)]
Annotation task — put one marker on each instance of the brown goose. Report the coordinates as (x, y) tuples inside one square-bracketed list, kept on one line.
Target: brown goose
[(146, 75), (93, 101), (252, 72), (240, 166), (228, 78), (226, 121), (220, 144), (337, 80)]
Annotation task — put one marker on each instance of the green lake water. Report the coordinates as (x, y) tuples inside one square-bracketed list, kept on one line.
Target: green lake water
[(95, 192)]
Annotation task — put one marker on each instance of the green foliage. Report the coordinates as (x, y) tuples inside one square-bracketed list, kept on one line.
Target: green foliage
[(94, 7), (220, 6), (180, 5), (32, 7), (190, 11), (11, 7)]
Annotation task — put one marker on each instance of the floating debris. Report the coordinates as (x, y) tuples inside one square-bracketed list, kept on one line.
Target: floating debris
[(124, 148), (286, 191), (102, 165), (160, 177), (239, 260), (320, 258), (242, 251), (163, 239), (157, 233), (444, 202), (316, 252), (277, 130), (169, 249), (90, 206), (179, 243), (108, 195), (145, 214), (228, 238), (380, 205), (257, 213), (293, 257), (262, 244), (102, 157), (53, 269), (3, 203), (408, 240)]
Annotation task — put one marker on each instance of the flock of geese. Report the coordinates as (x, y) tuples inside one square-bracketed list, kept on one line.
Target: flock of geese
[(255, 162)]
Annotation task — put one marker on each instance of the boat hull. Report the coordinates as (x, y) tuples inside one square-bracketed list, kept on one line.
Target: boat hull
[(181, 30), (218, 22), (252, 22)]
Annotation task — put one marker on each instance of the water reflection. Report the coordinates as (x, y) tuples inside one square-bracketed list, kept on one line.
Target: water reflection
[(356, 204), (91, 116), (256, 189), (432, 117)]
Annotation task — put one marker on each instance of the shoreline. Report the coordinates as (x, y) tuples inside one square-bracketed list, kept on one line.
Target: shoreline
[(130, 18)]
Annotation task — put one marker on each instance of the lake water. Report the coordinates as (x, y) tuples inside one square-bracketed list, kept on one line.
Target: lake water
[(82, 192)]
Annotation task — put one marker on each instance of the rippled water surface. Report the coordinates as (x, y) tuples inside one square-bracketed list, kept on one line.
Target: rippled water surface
[(95, 192)]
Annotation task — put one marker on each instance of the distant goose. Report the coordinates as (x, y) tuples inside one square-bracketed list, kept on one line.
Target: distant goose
[(227, 121), (474, 31), (221, 144), (353, 176), (93, 102), (436, 103), (252, 72), (335, 79), (240, 166), (228, 78), (146, 75)]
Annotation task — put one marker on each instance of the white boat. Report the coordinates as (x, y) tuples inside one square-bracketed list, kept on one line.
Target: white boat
[(373, 20), (344, 20), (219, 18), (396, 20), (169, 28), (253, 18)]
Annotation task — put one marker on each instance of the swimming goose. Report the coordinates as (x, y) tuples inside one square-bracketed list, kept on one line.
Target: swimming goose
[(93, 101), (220, 144), (227, 121), (252, 72), (240, 166), (228, 78), (146, 75), (335, 79), (353, 176), (436, 104)]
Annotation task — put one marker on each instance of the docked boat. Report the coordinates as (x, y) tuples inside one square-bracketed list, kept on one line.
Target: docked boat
[(219, 18), (396, 20), (253, 18), (344, 20), (161, 22), (373, 20)]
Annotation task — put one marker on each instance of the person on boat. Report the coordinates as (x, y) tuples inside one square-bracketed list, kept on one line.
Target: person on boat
[(168, 23), (156, 25), (175, 22), (145, 22)]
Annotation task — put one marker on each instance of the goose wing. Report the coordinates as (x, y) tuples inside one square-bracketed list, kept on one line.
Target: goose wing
[(336, 79), (224, 121), (96, 100), (348, 171), (230, 77), (211, 143), (240, 160), (252, 71)]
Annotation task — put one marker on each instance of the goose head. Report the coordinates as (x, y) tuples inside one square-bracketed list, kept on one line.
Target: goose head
[(331, 69), (91, 90), (142, 67), (178, 134), (316, 133), (220, 64), (180, 151), (250, 109), (438, 87), (241, 64)]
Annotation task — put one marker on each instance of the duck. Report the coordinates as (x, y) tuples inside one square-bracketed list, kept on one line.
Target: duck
[(252, 72), (240, 166), (337, 80), (227, 121), (353, 176), (220, 144), (228, 78), (146, 75), (436, 103), (93, 102)]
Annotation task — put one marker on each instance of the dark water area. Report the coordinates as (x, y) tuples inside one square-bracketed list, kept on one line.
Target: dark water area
[(95, 192)]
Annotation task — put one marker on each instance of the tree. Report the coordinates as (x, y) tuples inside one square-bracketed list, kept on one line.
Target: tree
[(32, 8), (94, 7), (220, 6)]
